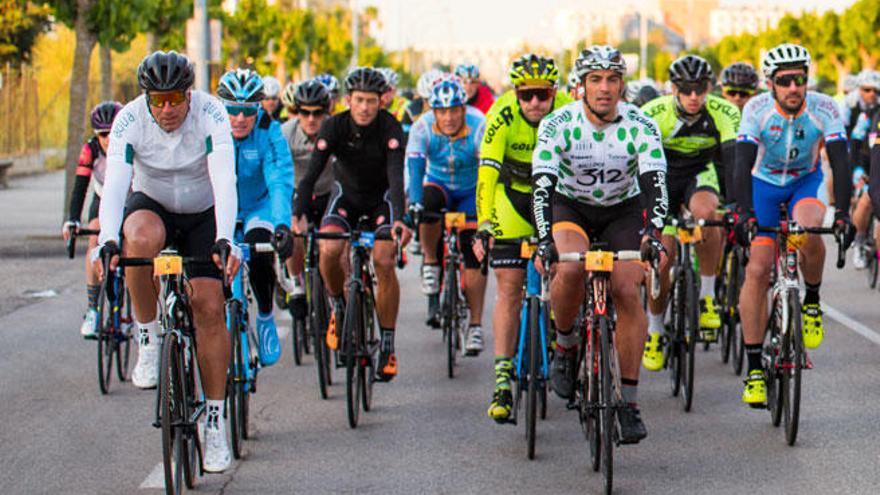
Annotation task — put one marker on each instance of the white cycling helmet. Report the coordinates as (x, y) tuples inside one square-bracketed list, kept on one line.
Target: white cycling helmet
[(390, 76), (868, 79), (785, 56), (573, 79), (850, 82), (271, 87), (599, 57), (426, 82)]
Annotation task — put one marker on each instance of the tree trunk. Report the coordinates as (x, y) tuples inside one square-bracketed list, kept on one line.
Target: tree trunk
[(151, 43), (106, 57), (79, 91)]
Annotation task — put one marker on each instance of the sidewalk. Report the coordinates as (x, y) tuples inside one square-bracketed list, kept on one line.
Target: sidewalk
[(32, 216)]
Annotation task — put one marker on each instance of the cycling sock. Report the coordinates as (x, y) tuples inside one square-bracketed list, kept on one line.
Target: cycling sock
[(655, 323), (753, 353), (214, 416), (630, 390), (503, 367), (92, 292), (387, 340), (148, 332), (812, 293), (707, 286), (566, 340)]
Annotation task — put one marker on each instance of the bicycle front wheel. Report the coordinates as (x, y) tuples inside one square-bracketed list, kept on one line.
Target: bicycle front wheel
[(449, 317), (692, 321), (590, 397), (235, 378), (532, 373), (794, 360), (172, 414), (105, 343), (123, 350), (351, 346), (606, 413)]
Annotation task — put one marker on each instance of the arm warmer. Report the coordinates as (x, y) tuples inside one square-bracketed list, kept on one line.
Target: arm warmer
[(117, 181), (841, 172), (395, 182), (279, 176), (221, 170), (726, 170), (746, 153), (78, 196), (415, 167), (653, 186), (543, 186), (874, 173)]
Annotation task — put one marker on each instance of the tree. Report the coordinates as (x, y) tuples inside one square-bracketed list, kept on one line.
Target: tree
[(861, 32), (166, 24), (21, 22), (248, 32)]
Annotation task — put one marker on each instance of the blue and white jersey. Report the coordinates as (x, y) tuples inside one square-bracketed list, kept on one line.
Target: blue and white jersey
[(451, 161), (788, 147), (265, 173)]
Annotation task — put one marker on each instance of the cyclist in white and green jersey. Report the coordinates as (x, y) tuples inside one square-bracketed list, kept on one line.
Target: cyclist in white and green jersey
[(593, 161)]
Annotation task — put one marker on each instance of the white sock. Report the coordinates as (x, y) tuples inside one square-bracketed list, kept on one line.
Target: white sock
[(214, 412), (655, 323), (148, 332), (707, 286)]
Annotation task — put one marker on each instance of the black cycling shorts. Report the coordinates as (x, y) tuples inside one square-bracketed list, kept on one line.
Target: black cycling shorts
[(435, 200), (95, 207), (618, 227), (344, 213), (318, 207), (682, 187), (193, 234)]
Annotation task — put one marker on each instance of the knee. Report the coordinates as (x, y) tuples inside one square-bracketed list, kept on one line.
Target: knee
[(384, 263), (144, 238), (330, 250), (626, 293), (569, 275), (208, 312), (758, 271), (508, 289)]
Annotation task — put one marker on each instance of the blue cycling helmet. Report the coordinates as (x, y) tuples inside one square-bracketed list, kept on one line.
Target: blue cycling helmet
[(240, 86), (467, 71), (447, 93)]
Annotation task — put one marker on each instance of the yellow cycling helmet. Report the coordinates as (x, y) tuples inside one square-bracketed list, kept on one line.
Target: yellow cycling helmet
[(533, 70)]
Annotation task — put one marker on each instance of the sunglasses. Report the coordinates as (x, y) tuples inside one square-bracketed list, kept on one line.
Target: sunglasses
[(311, 113), (248, 111), (173, 98), (739, 93), (786, 80), (102, 134), (526, 95), (689, 88), (868, 90)]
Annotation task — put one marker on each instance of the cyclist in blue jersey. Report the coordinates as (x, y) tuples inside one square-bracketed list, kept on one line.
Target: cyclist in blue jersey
[(778, 161), (860, 138), (442, 157), (264, 172)]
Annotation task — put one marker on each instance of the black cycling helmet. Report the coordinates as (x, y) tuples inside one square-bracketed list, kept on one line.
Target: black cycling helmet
[(646, 93), (312, 93), (365, 79), (103, 114), (740, 75), (165, 71), (690, 69)]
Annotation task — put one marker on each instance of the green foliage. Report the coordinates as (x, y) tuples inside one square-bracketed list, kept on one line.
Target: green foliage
[(21, 22), (249, 31)]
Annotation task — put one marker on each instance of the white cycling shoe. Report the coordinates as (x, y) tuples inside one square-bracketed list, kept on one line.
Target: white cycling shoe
[(430, 279), (474, 344), (218, 458), (859, 260), (146, 371), (89, 328)]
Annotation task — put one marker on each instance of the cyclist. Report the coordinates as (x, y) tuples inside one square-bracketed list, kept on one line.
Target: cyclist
[(593, 160), (446, 142), (573, 84), (699, 135), (272, 97), (311, 105), (419, 104), (503, 196), (479, 95), (866, 125), (777, 161), (641, 92), (332, 84), (92, 163), (173, 147), (367, 143), (287, 100), (391, 101), (264, 171), (739, 82)]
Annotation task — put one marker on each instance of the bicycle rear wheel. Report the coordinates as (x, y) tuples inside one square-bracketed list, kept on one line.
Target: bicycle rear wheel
[(737, 345), (793, 357), (351, 333), (606, 413), (297, 334), (726, 287), (692, 321), (317, 303), (172, 414)]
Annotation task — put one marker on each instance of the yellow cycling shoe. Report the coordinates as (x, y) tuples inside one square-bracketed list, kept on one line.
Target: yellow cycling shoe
[(652, 358), (502, 403), (755, 391), (709, 318), (813, 329)]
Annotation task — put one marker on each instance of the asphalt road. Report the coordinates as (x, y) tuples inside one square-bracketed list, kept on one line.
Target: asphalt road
[(426, 434)]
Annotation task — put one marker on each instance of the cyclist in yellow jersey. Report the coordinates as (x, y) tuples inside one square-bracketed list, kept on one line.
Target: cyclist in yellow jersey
[(503, 200), (391, 101)]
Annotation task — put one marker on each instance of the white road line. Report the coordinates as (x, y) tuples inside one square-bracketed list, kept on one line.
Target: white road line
[(853, 325), (156, 478)]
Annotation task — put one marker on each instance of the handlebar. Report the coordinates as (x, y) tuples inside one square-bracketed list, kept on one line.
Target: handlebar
[(785, 229), (625, 255), (401, 253), (74, 233)]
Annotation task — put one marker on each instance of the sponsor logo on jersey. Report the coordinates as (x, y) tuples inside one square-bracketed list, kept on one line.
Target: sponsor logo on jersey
[(662, 207), (522, 146), (505, 117), (121, 123), (322, 144), (393, 144)]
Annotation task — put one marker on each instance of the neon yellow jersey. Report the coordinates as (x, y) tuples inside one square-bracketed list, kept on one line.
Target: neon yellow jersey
[(340, 106), (507, 149), (398, 107)]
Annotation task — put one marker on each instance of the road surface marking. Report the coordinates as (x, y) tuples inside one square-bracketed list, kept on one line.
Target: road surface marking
[(853, 325), (156, 478)]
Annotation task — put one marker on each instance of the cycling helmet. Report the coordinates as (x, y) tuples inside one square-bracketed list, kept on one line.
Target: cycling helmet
[(311, 93), (365, 79), (599, 57), (785, 56), (241, 86), (103, 115), (740, 75), (426, 82), (467, 71), (165, 71), (533, 70), (330, 81), (447, 93), (646, 93), (869, 79), (271, 87), (390, 76), (287, 95), (573, 79), (690, 69), (850, 83)]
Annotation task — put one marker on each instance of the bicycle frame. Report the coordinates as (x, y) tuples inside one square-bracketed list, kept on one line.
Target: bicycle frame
[(537, 287), (242, 293)]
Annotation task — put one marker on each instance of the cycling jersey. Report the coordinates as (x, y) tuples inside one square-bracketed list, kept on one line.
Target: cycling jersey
[(690, 144), (301, 147), (369, 162), (506, 154), (398, 106), (92, 164), (788, 147), (483, 99), (186, 171), (597, 166), (264, 170), (451, 161)]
